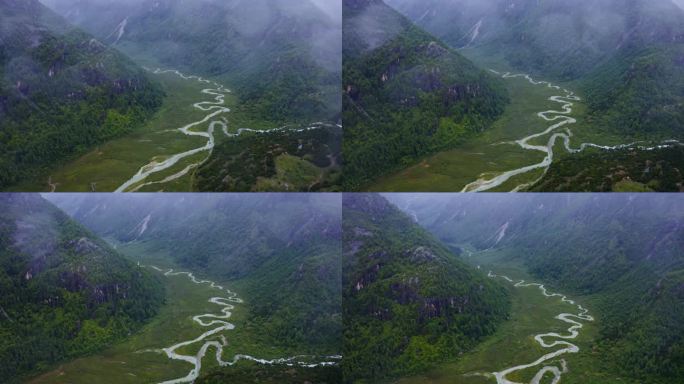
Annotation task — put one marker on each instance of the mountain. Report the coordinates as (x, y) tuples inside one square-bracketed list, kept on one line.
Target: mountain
[(65, 292), (406, 93), (281, 58), (624, 170), (280, 251), (626, 56), (306, 160), (623, 250), (408, 301), (61, 91)]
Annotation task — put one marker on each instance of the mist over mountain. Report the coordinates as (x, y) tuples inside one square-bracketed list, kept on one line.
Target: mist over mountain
[(61, 91), (624, 250), (627, 55), (65, 292), (282, 250), (283, 57), (406, 93), (409, 303)]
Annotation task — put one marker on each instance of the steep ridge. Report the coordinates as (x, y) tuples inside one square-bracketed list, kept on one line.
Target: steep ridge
[(409, 303), (65, 292), (406, 94), (61, 92), (625, 54), (281, 58), (625, 251), (282, 251)]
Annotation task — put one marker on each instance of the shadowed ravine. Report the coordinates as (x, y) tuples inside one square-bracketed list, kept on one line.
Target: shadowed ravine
[(563, 120), (220, 323), (566, 347)]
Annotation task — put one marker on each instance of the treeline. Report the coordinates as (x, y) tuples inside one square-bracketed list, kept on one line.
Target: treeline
[(267, 374), (408, 97), (640, 92), (259, 162), (295, 299), (625, 170), (408, 302), (294, 89), (62, 94), (64, 293), (628, 256)]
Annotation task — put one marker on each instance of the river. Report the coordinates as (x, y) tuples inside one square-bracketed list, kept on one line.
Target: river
[(560, 129)]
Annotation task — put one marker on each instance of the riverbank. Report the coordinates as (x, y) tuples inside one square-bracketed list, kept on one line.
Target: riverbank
[(514, 343)]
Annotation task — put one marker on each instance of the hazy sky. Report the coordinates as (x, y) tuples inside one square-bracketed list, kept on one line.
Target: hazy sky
[(332, 7), (680, 3)]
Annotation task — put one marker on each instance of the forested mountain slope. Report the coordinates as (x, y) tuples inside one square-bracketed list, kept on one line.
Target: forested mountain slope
[(624, 250), (625, 170), (408, 301), (282, 57), (626, 55), (283, 250), (65, 292), (307, 160), (406, 94), (61, 91)]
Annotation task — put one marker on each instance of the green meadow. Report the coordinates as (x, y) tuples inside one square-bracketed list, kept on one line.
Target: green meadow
[(513, 343), (490, 153), (108, 166), (131, 362)]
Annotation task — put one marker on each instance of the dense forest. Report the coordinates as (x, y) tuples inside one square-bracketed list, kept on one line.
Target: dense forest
[(625, 170), (65, 292), (280, 251), (267, 374), (409, 303), (61, 92), (282, 59), (624, 251), (625, 56), (282, 160), (406, 94)]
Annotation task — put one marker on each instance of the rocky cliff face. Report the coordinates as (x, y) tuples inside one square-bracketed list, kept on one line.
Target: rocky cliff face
[(404, 292), (406, 93), (61, 91), (625, 250), (282, 57), (65, 292)]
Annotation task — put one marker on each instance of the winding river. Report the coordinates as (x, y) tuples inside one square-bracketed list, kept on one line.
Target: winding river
[(561, 119), (213, 338), (548, 340), (215, 109)]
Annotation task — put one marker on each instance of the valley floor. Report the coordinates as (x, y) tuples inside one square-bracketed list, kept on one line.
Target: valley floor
[(132, 361), (495, 151), (109, 166), (513, 344)]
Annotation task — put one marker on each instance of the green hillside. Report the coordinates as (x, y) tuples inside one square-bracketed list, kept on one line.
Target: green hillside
[(305, 161), (406, 94), (659, 170), (61, 92), (409, 303), (623, 250), (281, 252), (625, 55), (282, 59), (65, 292)]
